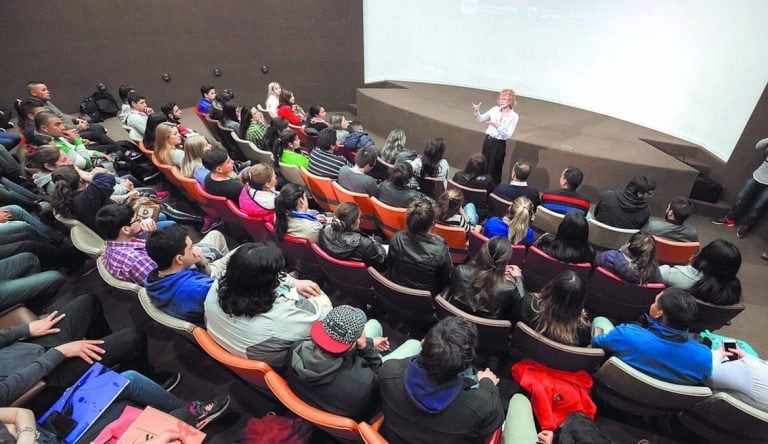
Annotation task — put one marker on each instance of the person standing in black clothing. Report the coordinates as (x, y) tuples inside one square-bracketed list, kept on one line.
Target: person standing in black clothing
[(502, 122)]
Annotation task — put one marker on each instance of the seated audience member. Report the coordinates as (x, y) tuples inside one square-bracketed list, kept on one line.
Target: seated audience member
[(322, 161), (275, 127), (137, 117), (431, 163), (23, 281), (285, 150), (336, 370), (125, 107), (229, 117), (27, 110), (168, 149), (288, 108), (557, 312), (257, 311), (273, 99), (173, 286), (475, 174), (356, 178), (76, 199), (153, 121), (743, 378), (41, 163), (252, 126), (13, 218), (518, 186), (357, 137), (192, 165), (663, 349), (450, 210), (316, 118), (173, 113), (217, 105), (125, 255), (635, 262), (90, 131), (292, 217), (488, 285), (515, 225), (394, 149), (711, 276), (341, 125), (673, 226), (576, 428), (343, 240), (257, 199), (220, 180), (565, 199), (207, 94), (627, 208), (50, 130), (437, 396), (571, 243), (395, 192), (417, 258)]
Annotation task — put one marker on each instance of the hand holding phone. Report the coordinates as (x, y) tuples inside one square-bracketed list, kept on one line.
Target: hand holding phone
[(730, 349)]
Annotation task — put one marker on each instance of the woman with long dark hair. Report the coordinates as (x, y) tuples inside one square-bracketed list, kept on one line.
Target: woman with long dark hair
[(153, 121), (252, 126), (431, 163), (288, 109), (342, 238), (475, 174), (249, 311), (76, 199), (571, 243), (285, 150), (292, 217), (229, 117), (711, 276), (488, 286), (558, 311), (635, 261)]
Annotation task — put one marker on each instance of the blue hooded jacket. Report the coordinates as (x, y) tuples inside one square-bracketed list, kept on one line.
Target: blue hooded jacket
[(428, 395), (180, 294)]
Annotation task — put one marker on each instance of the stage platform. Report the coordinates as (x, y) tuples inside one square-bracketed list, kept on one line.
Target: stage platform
[(550, 136)]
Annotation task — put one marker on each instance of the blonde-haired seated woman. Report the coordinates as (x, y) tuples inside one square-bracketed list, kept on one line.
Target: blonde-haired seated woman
[(515, 225), (168, 145), (192, 165)]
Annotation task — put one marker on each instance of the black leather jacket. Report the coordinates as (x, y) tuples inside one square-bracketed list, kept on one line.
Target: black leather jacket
[(419, 261), (503, 301), (352, 246)]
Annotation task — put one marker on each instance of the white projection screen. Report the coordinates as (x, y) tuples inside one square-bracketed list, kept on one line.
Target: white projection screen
[(693, 69)]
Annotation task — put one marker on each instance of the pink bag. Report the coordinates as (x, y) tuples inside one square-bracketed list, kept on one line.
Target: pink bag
[(274, 429)]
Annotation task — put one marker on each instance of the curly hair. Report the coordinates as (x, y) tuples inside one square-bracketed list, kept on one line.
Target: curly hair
[(247, 288)]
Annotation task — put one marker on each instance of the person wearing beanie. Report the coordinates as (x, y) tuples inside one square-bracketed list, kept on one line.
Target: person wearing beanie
[(336, 369)]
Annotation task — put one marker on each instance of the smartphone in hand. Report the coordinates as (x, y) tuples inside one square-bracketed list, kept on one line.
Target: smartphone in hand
[(730, 347)]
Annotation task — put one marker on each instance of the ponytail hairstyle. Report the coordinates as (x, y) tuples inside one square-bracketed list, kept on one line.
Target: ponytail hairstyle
[(65, 182), (520, 214), (345, 217), (286, 137), (641, 251), (276, 125), (285, 203), (448, 204), (488, 267), (246, 117), (433, 154)]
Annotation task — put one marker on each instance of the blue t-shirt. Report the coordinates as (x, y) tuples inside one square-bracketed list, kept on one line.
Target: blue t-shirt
[(495, 226)]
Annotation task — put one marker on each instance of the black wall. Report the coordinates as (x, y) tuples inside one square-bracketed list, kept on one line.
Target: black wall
[(314, 48)]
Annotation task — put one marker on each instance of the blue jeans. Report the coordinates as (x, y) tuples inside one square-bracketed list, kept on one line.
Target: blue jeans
[(147, 392), (752, 200), (471, 212), (9, 140), (21, 280), (43, 230), (13, 194)]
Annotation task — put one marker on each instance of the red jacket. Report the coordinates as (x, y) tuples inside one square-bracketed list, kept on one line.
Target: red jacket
[(555, 394), (287, 113)]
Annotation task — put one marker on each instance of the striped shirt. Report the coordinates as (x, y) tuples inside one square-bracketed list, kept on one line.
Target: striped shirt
[(256, 133), (325, 164)]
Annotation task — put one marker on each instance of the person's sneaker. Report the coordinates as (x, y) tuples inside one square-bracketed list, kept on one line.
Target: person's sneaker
[(167, 380), (206, 411), (209, 223), (741, 232), (723, 221), (764, 256)]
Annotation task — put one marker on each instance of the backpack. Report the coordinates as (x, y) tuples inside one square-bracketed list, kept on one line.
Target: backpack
[(89, 108), (106, 103), (274, 429)]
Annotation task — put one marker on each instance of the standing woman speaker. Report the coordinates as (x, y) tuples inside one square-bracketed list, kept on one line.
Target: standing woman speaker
[(502, 121)]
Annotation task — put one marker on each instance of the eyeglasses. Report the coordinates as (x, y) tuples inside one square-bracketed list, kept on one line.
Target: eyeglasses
[(134, 220)]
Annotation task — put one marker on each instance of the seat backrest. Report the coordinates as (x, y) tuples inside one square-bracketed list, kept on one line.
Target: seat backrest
[(477, 196), (610, 296), (370, 435), (674, 253), (16, 315), (713, 317), (254, 227), (432, 186), (133, 135), (723, 418), (298, 253), (455, 238), (540, 268), (389, 219), (351, 278), (187, 185), (634, 392), (166, 170), (292, 174), (162, 318), (540, 348), (250, 370), (87, 241), (306, 144), (367, 213), (219, 205), (213, 127), (493, 334), (498, 205), (322, 190), (546, 221), (407, 304), (68, 222), (147, 152), (113, 281), (607, 237), (338, 426), (243, 145)]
